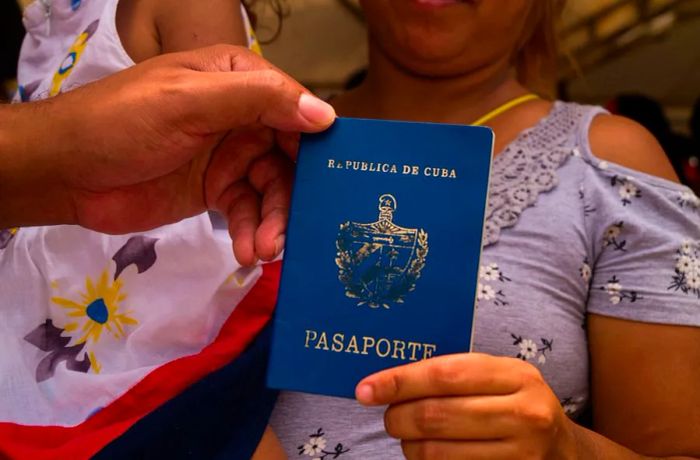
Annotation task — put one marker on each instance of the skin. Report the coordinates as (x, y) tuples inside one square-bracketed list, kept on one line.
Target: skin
[(453, 64), (269, 448), (144, 156)]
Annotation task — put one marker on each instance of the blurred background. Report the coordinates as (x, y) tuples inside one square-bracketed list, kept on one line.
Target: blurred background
[(639, 58)]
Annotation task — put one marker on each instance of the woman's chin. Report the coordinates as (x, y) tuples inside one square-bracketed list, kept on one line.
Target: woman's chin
[(439, 3), (433, 66), (432, 55)]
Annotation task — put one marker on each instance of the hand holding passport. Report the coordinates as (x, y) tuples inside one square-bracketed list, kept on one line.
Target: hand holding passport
[(382, 251)]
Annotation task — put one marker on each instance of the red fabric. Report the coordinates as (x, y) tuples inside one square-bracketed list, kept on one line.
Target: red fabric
[(161, 385)]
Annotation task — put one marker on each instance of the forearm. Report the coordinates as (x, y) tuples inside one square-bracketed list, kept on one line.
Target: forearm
[(31, 190), (593, 446)]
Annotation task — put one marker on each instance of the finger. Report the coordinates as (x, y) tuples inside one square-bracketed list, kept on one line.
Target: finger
[(270, 237), (271, 176), (220, 101), (229, 58), (231, 161), (288, 143), (243, 213), (449, 450), (452, 418), (451, 375), (220, 58)]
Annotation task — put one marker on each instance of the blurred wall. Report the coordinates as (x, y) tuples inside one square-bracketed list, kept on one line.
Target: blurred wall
[(322, 43)]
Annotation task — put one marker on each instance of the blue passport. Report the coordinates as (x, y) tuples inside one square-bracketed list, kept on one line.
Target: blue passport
[(382, 254)]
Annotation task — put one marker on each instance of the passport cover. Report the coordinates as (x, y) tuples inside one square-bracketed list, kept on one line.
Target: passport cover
[(382, 254)]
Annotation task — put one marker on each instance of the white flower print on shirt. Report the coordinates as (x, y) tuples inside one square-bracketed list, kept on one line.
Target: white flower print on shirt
[(611, 237), (485, 291), (585, 271), (614, 289), (612, 232), (685, 264), (572, 405), (529, 350), (687, 269), (316, 445), (489, 272), (626, 189), (688, 199), (687, 247)]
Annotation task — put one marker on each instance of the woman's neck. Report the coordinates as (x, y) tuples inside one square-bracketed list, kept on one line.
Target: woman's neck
[(392, 92)]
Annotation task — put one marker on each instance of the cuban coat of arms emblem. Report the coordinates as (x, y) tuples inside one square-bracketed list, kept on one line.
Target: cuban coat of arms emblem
[(380, 262)]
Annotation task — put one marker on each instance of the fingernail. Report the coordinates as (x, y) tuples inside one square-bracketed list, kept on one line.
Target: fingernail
[(316, 111), (279, 244), (364, 393)]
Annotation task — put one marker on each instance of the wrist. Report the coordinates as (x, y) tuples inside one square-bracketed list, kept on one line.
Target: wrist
[(590, 445), (32, 191), (569, 445)]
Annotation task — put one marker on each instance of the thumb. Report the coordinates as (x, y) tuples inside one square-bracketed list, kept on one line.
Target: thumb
[(229, 100)]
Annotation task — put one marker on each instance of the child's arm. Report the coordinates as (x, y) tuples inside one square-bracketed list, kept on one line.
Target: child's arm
[(148, 28)]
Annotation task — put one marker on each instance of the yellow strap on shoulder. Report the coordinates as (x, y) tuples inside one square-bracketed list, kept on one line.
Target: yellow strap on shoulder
[(504, 108)]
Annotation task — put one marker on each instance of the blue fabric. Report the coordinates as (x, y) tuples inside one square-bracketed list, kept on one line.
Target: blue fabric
[(223, 416)]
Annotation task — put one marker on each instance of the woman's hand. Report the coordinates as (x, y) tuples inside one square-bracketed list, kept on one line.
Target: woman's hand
[(471, 406)]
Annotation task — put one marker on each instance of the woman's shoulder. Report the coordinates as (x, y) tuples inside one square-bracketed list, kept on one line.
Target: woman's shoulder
[(621, 141), (610, 145)]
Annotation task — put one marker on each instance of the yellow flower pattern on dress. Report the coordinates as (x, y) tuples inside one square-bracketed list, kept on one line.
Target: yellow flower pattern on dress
[(99, 309), (72, 58)]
